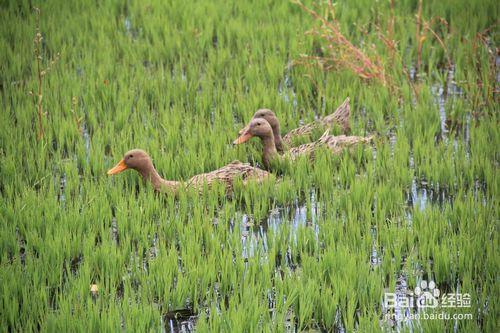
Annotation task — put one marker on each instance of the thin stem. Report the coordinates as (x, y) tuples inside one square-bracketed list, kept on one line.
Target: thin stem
[(38, 56)]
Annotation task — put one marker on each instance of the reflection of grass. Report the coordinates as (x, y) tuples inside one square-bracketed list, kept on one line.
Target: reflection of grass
[(179, 80)]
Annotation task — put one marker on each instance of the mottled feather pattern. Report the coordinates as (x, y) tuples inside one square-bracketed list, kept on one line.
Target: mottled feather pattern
[(227, 174), (340, 117), (336, 144)]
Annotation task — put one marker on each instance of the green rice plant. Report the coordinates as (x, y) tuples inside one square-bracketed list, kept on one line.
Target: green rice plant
[(314, 248)]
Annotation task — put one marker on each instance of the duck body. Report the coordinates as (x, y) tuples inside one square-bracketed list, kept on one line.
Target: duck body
[(335, 143), (227, 174), (260, 128), (140, 161), (340, 118)]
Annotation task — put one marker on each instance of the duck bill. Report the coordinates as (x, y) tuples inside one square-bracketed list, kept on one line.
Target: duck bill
[(121, 166), (243, 130), (243, 138)]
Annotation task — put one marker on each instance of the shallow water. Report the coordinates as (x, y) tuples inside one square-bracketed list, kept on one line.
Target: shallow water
[(444, 94), (286, 89), (114, 231), (61, 197), (421, 193), (254, 239), (376, 254), (254, 236), (22, 247), (86, 138), (178, 321)]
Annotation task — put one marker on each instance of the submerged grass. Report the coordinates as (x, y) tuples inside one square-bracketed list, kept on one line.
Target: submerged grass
[(315, 250)]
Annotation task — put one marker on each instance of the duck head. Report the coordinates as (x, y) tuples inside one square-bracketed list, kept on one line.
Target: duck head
[(268, 115), (273, 121), (136, 159), (258, 127)]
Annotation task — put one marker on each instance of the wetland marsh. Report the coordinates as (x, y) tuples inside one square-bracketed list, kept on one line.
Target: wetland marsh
[(314, 248)]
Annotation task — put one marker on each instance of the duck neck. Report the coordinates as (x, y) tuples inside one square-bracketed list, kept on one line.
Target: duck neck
[(277, 138), (150, 174), (269, 151)]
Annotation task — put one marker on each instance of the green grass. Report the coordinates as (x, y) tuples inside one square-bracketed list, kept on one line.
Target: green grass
[(179, 79)]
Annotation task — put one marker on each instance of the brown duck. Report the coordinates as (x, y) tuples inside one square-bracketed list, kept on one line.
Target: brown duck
[(140, 161), (340, 117), (260, 128)]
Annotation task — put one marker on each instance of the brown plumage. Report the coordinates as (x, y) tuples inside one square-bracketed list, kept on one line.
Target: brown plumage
[(336, 144), (140, 161), (340, 117), (260, 128)]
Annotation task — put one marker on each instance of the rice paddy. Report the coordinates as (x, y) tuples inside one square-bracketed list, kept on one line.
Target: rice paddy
[(314, 248)]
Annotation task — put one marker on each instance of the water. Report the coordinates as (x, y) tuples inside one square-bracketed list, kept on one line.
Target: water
[(255, 238), (413, 73), (61, 197), (153, 250), (438, 92), (86, 138), (467, 137), (130, 30), (114, 231), (128, 25), (418, 197), (179, 321), (422, 193), (375, 256), (392, 141), (286, 90), (215, 41), (442, 94), (401, 317), (255, 235), (21, 241)]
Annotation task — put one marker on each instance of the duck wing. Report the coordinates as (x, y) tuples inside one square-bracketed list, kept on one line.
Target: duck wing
[(340, 117), (228, 173)]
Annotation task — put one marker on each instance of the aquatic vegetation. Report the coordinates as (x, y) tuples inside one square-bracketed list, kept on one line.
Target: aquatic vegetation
[(316, 249)]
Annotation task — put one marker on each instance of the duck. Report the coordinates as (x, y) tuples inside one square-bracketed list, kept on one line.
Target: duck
[(140, 161), (340, 117), (261, 128)]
